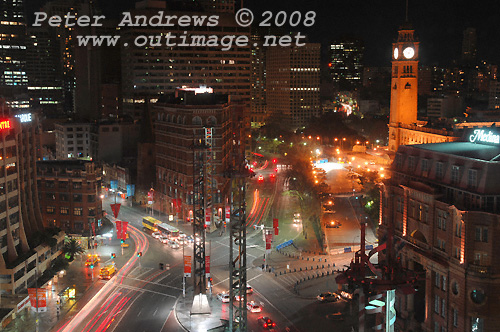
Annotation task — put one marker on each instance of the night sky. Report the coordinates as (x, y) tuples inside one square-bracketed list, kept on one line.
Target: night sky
[(439, 24)]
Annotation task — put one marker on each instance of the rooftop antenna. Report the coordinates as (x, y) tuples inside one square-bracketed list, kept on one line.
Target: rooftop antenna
[(406, 10)]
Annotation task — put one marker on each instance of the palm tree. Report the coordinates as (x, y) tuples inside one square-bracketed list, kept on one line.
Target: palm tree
[(72, 248)]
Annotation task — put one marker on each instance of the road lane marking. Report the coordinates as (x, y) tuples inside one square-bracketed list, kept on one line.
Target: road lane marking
[(142, 290), (155, 283)]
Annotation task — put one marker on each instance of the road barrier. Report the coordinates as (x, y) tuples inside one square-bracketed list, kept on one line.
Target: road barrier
[(284, 244)]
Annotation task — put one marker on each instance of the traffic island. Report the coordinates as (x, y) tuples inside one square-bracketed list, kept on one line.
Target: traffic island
[(199, 321)]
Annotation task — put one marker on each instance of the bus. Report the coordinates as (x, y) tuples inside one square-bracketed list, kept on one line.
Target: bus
[(168, 230), (107, 272), (150, 223)]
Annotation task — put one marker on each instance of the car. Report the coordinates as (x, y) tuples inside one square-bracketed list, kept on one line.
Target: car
[(238, 298), (260, 178), (156, 234), (92, 260), (173, 244), (266, 323), (224, 297), (189, 239), (332, 224), (249, 289), (253, 307), (327, 297), (180, 240), (296, 217), (163, 239)]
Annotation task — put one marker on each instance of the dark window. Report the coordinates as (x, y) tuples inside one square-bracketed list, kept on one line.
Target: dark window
[(77, 197), (77, 185), (64, 197)]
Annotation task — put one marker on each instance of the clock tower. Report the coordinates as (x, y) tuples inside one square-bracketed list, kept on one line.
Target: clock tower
[(404, 84)]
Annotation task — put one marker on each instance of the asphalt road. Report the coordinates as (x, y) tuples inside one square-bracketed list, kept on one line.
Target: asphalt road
[(143, 298)]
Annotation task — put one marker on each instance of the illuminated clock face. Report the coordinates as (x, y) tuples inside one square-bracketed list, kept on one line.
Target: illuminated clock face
[(396, 53), (409, 52)]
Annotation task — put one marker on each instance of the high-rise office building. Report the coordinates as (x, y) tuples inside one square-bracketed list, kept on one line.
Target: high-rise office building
[(44, 71), (258, 104), (13, 52), (149, 72), (469, 49), (346, 63), (292, 83), (217, 6)]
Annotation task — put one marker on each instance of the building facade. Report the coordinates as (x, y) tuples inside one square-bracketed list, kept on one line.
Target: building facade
[(442, 204), (20, 217), (13, 54), (147, 74), (76, 140), (346, 63), (292, 83), (178, 126), (70, 195)]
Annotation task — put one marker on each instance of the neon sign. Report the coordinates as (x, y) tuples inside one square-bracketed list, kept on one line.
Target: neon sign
[(5, 124), (24, 117), (480, 135)]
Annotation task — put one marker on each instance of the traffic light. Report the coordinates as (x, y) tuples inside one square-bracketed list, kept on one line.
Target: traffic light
[(113, 255), (139, 254), (122, 241), (92, 265)]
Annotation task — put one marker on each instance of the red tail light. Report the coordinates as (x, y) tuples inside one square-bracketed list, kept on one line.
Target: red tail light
[(274, 324), (265, 324)]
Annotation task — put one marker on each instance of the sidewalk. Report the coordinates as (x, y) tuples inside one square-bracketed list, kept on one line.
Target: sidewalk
[(76, 276)]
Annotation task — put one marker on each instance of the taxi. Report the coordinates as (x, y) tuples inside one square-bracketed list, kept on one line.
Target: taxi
[(92, 260)]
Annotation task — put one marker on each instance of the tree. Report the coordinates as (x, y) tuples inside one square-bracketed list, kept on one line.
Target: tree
[(72, 248)]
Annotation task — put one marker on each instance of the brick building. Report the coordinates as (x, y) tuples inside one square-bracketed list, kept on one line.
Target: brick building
[(443, 202), (70, 194), (179, 122)]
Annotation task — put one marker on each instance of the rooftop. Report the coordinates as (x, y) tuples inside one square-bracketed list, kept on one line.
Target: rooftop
[(67, 163), (464, 149)]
